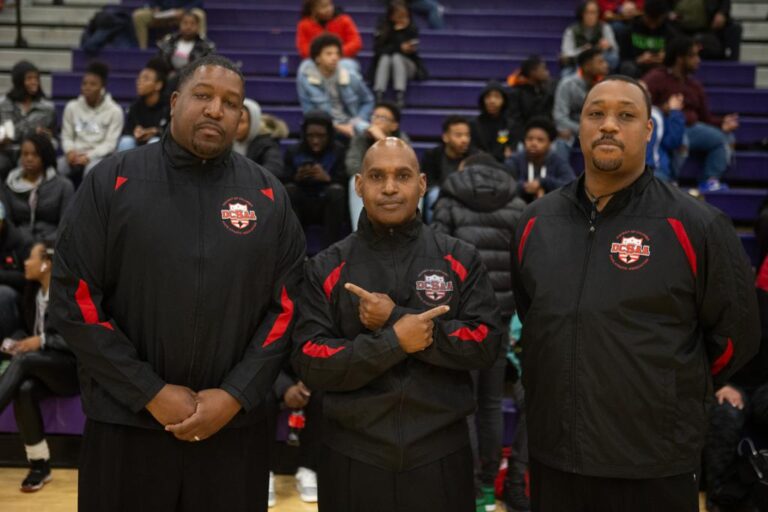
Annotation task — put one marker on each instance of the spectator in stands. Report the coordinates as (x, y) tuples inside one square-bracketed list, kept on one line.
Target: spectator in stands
[(23, 110), (395, 53), (186, 45), (491, 130), (705, 132), (537, 169), (315, 177), (148, 115), (531, 94), (642, 49), (259, 147), (569, 98), (479, 205), (322, 84), (620, 10), (444, 159), (322, 16), (35, 195), (14, 249), (742, 401), (385, 122), (667, 137), (296, 396), (92, 125), (710, 23), (163, 13), (588, 32), (41, 365), (430, 9)]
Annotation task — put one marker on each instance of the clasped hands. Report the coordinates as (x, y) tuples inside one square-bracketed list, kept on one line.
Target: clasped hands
[(193, 416), (414, 332)]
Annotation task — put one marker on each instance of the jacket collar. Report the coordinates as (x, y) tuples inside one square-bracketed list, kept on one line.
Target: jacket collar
[(394, 236), (180, 158), (575, 192), (314, 77)]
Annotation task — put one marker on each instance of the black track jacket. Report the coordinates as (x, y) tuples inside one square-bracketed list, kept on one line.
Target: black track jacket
[(383, 406), (627, 314), (170, 269)]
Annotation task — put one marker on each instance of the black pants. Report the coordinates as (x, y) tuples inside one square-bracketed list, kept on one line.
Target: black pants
[(557, 491), (348, 485), (31, 377), (128, 469), (486, 425), (328, 209)]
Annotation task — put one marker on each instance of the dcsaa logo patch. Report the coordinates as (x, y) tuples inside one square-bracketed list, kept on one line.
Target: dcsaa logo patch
[(631, 250), (238, 216), (434, 287)]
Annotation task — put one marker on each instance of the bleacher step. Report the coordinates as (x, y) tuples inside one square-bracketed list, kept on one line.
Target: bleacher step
[(749, 10), (48, 37), (49, 16), (47, 60)]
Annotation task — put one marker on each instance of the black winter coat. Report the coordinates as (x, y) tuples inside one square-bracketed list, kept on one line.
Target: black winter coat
[(382, 406), (481, 207), (628, 316), (171, 269), (14, 250)]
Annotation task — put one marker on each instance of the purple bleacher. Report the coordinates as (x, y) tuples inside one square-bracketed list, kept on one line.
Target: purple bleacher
[(741, 204), (61, 415)]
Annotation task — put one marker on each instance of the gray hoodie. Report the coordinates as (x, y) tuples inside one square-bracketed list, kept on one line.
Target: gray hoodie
[(254, 110), (94, 131)]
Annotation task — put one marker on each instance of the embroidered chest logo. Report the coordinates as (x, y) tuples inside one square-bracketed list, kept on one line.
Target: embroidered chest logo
[(631, 250), (434, 287), (237, 215)]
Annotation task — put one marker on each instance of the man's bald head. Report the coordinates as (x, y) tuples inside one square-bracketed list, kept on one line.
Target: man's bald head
[(385, 148), (390, 183)]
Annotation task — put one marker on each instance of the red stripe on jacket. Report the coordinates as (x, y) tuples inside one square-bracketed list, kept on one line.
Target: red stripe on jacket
[(456, 266), (332, 280), (524, 238), (312, 349), (87, 307), (685, 242), (283, 319), (724, 358), (477, 335)]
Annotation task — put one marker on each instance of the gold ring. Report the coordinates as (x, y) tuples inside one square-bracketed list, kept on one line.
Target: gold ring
[(197, 438)]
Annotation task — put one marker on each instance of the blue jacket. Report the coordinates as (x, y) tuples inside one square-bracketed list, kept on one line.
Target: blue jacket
[(667, 137), (355, 95)]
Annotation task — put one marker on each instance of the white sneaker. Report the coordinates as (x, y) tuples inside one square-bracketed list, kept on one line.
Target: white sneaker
[(271, 496), (306, 484)]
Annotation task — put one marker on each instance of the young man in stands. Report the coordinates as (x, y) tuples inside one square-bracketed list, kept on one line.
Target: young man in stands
[(569, 97), (537, 169), (710, 23), (322, 84), (164, 13), (315, 178), (444, 159), (491, 129), (186, 45), (642, 48), (531, 94), (635, 298), (706, 133), (391, 321), (147, 117), (91, 125)]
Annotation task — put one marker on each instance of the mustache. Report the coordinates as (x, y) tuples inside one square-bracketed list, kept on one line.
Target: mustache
[(210, 125), (607, 140)]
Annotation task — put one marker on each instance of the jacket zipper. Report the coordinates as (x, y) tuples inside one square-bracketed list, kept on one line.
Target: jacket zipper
[(400, 380), (198, 287), (592, 218)]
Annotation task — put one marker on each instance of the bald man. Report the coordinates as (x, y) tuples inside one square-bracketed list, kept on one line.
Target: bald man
[(635, 298), (391, 321)]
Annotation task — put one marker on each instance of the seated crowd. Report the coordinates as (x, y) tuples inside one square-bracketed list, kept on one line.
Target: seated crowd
[(480, 175)]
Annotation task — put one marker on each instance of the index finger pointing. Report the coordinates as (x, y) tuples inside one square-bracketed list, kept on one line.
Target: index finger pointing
[(353, 288), (434, 312)]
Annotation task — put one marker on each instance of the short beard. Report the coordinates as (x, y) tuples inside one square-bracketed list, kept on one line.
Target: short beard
[(207, 151), (607, 165)]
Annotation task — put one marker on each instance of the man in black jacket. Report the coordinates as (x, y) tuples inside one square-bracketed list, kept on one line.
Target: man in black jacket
[(391, 320), (174, 282), (631, 294)]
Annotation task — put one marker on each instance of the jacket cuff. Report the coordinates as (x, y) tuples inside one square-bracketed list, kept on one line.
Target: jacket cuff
[(239, 396), (150, 385)]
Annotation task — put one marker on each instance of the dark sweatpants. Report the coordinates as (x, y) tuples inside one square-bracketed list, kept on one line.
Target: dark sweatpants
[(348, 485), (557, 491), (128, 469)]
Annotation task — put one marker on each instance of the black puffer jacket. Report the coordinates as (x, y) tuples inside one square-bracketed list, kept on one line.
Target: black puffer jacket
[(480, 206)]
